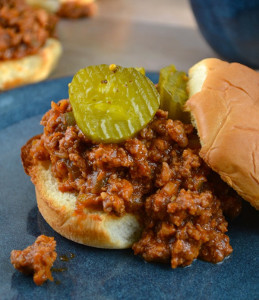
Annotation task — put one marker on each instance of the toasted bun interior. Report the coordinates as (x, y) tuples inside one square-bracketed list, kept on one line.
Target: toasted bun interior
[(32, 68), (50, 5), (79, 2), (54, 5), (224, 104), (94, 228)]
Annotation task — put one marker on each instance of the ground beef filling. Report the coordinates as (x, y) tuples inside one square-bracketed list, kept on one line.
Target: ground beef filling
[(23, 29), (158, 175), (36, 259), (74, 10)]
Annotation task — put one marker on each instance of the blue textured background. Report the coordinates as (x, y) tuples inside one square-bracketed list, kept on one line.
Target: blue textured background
[(231, 28), (96, 273)]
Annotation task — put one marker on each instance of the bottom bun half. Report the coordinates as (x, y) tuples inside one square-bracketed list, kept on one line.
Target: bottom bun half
[(67, 8), (31, 68), (94, 228)]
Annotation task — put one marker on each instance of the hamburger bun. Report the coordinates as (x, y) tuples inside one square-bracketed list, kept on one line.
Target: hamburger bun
[(66, 8), (94, 228), (224, 105), (31, 68), (50, 5)]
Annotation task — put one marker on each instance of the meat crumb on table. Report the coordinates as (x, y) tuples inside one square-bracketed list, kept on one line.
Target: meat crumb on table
[(36, 259)]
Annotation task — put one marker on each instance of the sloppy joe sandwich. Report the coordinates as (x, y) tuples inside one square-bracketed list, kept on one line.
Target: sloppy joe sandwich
[(67, 8), (116, 168), (29, 49)]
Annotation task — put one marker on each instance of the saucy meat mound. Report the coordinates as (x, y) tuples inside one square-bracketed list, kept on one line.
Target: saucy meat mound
[(74, 10), (23, 29), (157, 175), (36, 259)]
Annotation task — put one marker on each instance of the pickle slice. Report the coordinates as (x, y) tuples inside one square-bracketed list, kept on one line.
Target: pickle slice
[(141, 70), (172, 88), (112, 103)]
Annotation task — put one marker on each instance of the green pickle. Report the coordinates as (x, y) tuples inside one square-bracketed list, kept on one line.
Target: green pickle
[(172, 88), (112, 103), (141, 70)]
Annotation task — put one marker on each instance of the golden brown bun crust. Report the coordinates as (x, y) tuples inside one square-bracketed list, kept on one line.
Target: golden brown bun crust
[(32, 68), (50, 5), (93, 228), (67, 8), (224, 105)]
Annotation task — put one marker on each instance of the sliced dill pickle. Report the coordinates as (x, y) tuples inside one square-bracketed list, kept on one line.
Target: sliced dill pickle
[(112, 103), (172, 88), (141, 70)]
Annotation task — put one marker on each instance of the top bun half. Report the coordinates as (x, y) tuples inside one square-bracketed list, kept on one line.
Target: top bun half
[(224, 105)]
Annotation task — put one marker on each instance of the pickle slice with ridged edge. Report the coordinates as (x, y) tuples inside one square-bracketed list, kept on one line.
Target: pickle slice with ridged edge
[(141, 70), (112, 103), (172, 88)]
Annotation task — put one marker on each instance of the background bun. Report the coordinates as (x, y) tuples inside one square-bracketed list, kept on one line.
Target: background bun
[(50, 5), (67, 8), (224, 104), (31, 68), (96, 228)]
